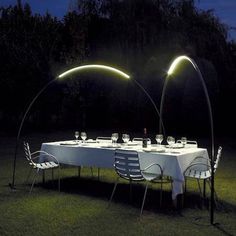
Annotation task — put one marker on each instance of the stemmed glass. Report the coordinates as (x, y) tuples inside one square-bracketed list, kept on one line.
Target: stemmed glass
[(170, 140), (159, 138), (76, 136), (125, 138), (114, 137), (83, 136), (184, 141)]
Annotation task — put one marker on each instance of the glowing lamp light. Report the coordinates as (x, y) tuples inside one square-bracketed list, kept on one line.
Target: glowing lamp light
[(177, 61), (88, 67)]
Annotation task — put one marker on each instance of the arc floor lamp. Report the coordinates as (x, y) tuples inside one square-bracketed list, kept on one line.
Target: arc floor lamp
[(64, 76), (170, 74)]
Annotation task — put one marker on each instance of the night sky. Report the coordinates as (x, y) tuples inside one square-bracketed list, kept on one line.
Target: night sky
[(224, 9)]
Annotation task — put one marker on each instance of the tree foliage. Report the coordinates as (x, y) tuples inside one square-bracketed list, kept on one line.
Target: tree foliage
[(142, 36)]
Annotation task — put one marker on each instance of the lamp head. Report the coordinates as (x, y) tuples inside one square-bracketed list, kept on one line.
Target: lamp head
[(89, 67), (175, 63)]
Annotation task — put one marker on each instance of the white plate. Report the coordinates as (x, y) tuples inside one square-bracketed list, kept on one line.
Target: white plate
[(132, 144), (69, 143), (154, 150), (90, 141), (110, 146), (176, 145)]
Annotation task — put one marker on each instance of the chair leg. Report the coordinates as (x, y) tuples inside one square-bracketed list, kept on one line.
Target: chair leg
[(34, 180), (201, 194), (91, 168), (130, 190), (59, 179), (79, 170), (185, 185), (52, 175), (113, 191), (144, 198), (216, 197), (204, 188), (98, 173), (27, 178), (161, 195), (199, 186), (43, 176)]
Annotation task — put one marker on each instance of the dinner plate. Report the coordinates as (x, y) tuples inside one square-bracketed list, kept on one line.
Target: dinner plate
[(110, 146), (176, 145), (69, 143), (90, 141), (131, 144), (160, 150), (107, 146)]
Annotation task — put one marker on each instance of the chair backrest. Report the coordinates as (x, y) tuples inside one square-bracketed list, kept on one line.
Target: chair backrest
[(190, 143), (127, 165), (103, 140), (198, 164), (217, 158), (28, 153)]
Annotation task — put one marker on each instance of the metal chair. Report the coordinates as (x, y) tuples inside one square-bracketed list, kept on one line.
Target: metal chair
[(127, 166), (200, 169), (50, 163), (190, 143)]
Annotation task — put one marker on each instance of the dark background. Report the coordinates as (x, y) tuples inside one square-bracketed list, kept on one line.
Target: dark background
[(140, 37)]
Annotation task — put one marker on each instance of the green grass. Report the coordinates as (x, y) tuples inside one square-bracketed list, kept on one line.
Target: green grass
[(81, 207)]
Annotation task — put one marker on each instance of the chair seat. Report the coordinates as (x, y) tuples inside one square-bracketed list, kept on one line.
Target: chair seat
[(150, 176), (198, 174), (46, 165)]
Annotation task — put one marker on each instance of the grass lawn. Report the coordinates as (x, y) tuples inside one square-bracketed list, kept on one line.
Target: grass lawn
[(81, 207)]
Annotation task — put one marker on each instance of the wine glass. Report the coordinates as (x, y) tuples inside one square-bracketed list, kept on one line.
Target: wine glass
[(184, 141), (159, 138), (170, 140), (125, 138), (83, 136), (76, 136), (114, 137)]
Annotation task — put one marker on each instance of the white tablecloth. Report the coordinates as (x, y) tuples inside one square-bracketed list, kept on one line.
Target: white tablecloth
[(174, 162)]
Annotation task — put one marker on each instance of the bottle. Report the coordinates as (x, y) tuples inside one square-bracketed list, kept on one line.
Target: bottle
[(144, 138)]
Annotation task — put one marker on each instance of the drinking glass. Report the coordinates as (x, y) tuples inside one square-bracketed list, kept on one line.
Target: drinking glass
[(83, 136), (170, 140), (125, 138), (159, 138), (114, 137), (184, 141), (76, 136)]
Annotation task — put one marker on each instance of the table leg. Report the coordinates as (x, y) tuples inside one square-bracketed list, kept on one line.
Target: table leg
[(79, 170)]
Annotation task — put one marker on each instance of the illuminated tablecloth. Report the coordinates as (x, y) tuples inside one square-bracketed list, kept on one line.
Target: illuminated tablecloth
[(173, 161)]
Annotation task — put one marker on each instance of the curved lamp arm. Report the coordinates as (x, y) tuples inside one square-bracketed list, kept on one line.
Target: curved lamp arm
[(153, 103), (194, 64), (170, 72), (63, 75)]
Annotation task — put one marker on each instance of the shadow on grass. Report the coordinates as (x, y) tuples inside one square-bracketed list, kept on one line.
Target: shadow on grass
[(100, 189), (92, 187)]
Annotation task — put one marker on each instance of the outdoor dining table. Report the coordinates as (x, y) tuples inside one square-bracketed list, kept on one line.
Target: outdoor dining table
[(174, 161)]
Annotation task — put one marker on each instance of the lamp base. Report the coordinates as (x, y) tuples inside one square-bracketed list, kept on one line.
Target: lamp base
[(12, 187)]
